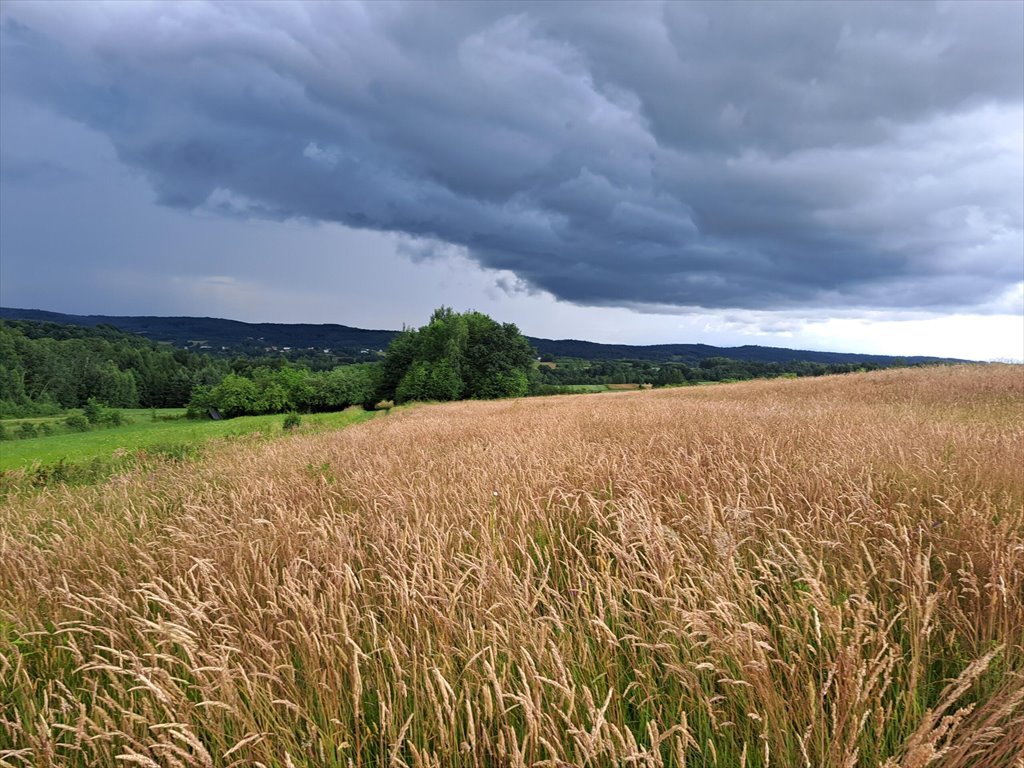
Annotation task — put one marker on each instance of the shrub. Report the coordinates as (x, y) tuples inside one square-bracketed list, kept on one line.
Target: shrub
[(200, 403), (76, 422), (92, 410), (292, 421), (234, 396), (113, 418), (63, 472), (26, 429)]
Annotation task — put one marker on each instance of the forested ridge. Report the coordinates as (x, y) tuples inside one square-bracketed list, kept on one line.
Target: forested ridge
[(307, 342)]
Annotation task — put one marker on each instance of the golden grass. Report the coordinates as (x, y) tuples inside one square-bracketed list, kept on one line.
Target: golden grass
[(821, 573)]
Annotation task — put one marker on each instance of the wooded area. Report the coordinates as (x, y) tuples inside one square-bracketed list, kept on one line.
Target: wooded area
[(47, 368)]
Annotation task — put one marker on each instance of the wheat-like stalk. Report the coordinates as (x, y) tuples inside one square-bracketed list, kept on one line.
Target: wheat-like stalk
[(821, 573)]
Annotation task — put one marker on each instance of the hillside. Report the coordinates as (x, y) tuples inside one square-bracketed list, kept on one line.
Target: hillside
[(221, 336), (214, 334)]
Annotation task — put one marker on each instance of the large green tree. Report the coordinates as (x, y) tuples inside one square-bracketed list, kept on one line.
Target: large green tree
[(457, 356)]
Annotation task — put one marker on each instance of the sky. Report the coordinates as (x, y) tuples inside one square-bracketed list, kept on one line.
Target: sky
[(833, 176)]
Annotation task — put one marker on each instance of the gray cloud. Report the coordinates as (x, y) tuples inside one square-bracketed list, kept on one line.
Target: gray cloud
[(764, 156), (20, 170)]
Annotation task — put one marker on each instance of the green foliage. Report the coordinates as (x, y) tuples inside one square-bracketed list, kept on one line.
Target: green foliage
[(401, 354), (26, 429), (292, 422), (200, 402), (48, 367), (571, 371), (426, 382), (456, 356), (98, 414), (236, 396), (113, 418), (92, 410), (287, 388), (349, 385), (64, 473), (143, 434), (76, 422), (565, 389)]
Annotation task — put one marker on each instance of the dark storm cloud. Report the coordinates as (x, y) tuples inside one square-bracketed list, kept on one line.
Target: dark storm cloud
[(726, 155)]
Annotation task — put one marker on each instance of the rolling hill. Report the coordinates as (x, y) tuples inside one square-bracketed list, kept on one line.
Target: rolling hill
[(221, 336)]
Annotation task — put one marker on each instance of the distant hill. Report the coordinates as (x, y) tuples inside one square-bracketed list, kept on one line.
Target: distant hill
[(234, 337), (216, 335)]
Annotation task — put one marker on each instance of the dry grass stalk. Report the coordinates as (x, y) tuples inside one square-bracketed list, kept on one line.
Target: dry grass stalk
[(819, 573)]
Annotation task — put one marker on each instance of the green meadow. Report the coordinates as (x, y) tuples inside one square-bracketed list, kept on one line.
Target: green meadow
[(169, 427)]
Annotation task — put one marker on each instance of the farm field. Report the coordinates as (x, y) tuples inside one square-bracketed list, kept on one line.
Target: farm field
[(585, 388), (143, 432), (822, 572)]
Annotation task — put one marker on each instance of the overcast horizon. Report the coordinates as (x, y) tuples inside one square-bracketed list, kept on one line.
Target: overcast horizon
[(842, 177)]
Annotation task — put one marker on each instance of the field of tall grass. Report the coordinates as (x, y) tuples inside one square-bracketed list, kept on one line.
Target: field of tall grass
[(825, 573)]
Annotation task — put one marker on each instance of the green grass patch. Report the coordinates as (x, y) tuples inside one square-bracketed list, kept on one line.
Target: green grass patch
[(135, 414), (146, 434), (568, 389)]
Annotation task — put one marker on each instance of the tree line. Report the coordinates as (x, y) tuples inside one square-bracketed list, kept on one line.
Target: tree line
[(47, 367), (554, 373), (455, 356), (287, 388)]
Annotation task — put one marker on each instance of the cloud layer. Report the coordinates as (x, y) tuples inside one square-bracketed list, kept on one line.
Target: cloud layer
[(758, 156)]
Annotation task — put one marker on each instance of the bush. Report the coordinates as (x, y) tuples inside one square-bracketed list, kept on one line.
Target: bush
[(292, 421), (113, 418), (200, 403), (45, 429), (234, 396), (76, 422), (92, 410), (4, 434), (25, 430)]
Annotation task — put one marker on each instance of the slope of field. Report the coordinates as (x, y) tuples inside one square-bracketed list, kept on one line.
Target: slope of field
[(819, 572)]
